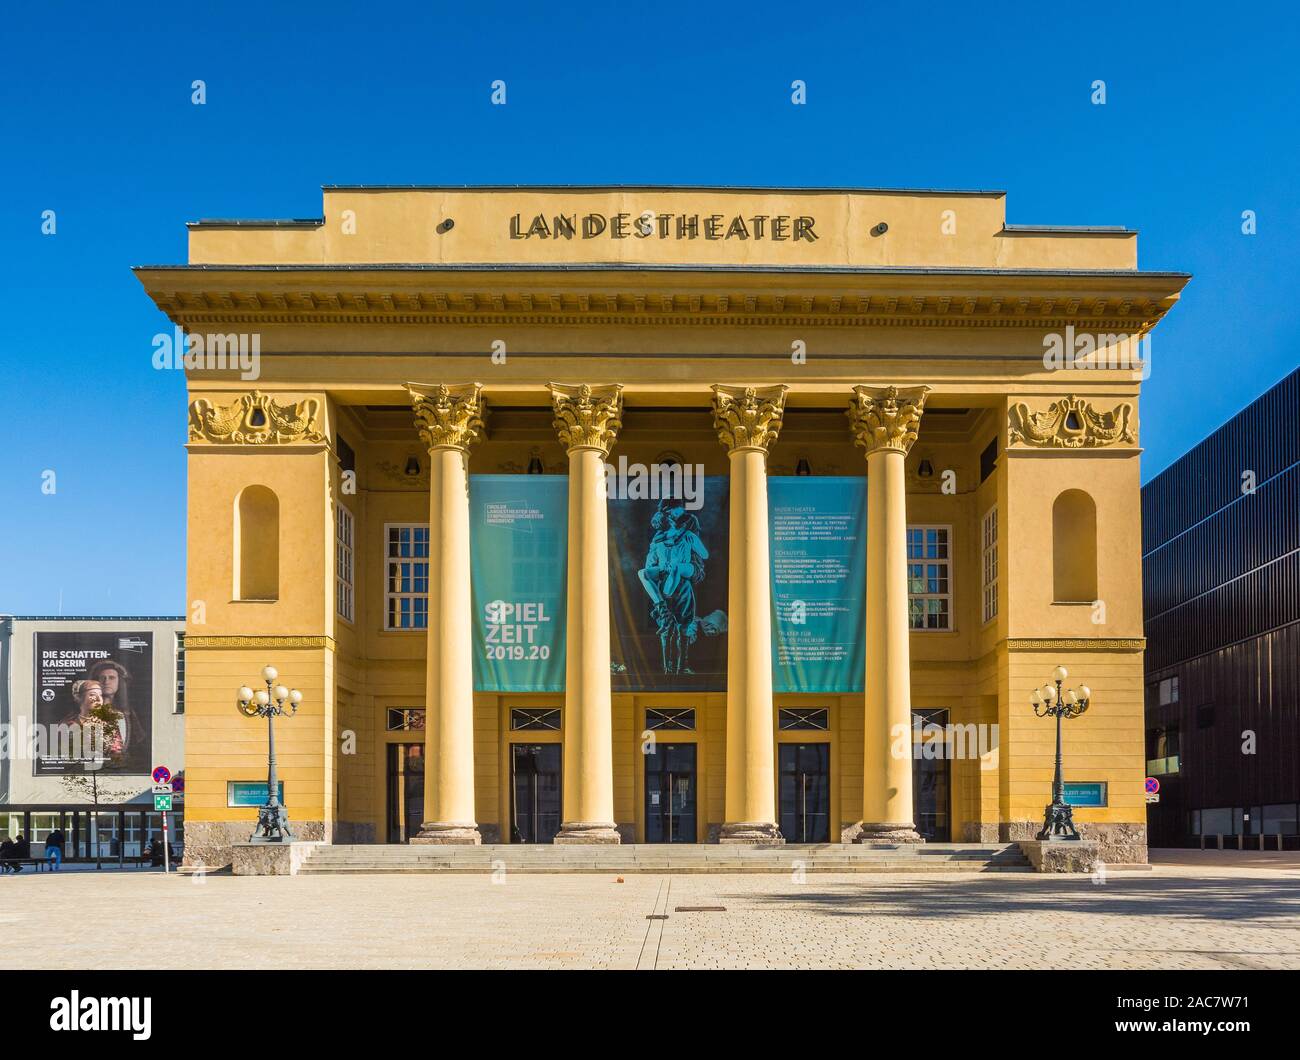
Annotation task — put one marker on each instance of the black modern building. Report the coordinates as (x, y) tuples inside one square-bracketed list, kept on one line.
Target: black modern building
[(1221, 591)]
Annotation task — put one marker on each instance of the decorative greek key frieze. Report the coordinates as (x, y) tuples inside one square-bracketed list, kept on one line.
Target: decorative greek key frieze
[(886, 418), (586, 416), (255, 419), (1071, 423), (748, 417), (448, 417)]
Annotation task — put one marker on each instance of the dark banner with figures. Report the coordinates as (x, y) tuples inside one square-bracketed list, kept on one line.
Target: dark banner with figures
[(668, 590), (94, 702)]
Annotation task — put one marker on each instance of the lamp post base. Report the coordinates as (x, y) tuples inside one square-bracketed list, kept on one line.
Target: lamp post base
[(272, 825), (1058, 823)]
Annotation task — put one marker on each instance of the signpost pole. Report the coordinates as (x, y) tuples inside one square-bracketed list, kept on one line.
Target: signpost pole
[(167, 860)]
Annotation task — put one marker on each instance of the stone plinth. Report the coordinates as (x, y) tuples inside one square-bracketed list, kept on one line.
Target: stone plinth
[(269, 859), (1062, 855)]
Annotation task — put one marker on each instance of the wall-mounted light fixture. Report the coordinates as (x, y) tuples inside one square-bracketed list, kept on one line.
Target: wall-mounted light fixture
[(803, 467), (535, 466), (925, 469), (412, 466)]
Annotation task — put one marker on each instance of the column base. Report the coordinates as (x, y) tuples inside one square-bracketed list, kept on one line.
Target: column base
[(874, 832), (440, 834), (752, 833), (575, 832)]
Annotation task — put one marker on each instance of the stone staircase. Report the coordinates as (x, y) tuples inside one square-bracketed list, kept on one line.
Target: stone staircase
[(823, 857)]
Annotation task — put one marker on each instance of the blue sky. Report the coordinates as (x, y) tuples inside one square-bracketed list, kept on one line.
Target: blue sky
[(96, 124)]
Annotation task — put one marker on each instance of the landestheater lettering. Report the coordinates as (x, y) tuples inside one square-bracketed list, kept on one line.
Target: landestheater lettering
[(500, 581), (649, 225)]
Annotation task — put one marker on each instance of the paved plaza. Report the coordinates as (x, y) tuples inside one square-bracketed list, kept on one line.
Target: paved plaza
[(1213, 910)]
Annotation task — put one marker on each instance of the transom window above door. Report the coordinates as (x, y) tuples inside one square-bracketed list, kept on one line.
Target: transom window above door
[(799, 718), (401, 719), (534, 719), (682, 718)]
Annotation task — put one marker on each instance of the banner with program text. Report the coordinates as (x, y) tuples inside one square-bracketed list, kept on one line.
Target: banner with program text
[(817, 534), (518, 540)]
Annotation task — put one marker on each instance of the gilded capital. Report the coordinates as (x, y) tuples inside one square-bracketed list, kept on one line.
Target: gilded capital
[(448, 416), (586, 416), (748, 417), (886, 418)]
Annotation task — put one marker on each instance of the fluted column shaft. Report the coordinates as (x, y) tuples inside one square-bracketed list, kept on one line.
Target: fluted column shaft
[(748, 420), (885, 422), (588, 420), (450, 421)]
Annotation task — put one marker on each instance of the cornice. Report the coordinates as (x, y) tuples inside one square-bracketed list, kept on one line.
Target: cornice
[(1130, 303)]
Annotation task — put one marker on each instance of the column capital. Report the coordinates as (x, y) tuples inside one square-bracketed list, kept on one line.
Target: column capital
[(748, 417), (886, 418), (448, 416), (586, 416)]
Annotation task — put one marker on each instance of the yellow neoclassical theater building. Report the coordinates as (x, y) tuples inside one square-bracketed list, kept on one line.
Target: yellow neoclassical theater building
[(661, 514)]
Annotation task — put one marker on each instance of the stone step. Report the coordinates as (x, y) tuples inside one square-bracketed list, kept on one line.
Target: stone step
[(634, 858)]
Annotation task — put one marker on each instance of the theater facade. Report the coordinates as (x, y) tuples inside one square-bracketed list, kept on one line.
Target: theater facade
[(660, 514)]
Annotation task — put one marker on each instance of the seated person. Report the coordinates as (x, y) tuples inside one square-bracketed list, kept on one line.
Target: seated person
[(7, 864)]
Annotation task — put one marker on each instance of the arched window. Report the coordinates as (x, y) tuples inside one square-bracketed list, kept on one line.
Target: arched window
[(1074, 548), (257, 544)]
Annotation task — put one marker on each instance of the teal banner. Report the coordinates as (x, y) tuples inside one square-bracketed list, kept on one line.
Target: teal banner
[(1085, 793), (250, 793), (518, 541), (817, 536)]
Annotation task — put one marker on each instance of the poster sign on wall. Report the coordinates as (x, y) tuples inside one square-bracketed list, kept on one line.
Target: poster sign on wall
[(817, 538), (80, 673), (668, 590), (518, 541)]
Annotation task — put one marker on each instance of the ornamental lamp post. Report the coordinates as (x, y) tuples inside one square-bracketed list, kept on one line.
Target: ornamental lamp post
[(272, 818), (1050, 700)]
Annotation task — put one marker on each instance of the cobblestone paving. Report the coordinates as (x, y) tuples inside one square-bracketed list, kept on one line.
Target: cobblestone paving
[(1178, 916)]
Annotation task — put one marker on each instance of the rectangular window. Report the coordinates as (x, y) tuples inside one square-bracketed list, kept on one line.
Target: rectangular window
[(406, 576), (989, 572), (800, 718), (180, 674), (929, 577), (670, 718), (405, 719), (532, 719), (1168, 691), (343, 561)]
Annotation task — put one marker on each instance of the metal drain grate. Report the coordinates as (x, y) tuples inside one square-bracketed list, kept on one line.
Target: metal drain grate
[(700, 909)]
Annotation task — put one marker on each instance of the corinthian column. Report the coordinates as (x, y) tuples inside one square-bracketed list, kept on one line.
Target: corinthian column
[(450, 420), (747, 420), (588, 419), (885, 422)]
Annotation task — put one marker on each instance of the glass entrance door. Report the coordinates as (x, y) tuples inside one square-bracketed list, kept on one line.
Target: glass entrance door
[(805, 791), (534, 792), (930, 799), (405, 791), (670, 794)]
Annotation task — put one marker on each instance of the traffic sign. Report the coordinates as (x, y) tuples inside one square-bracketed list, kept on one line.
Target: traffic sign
[(162, 789), (1153, 798), (1153, 786), (178, 785), (162, 803), (161, 774)]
